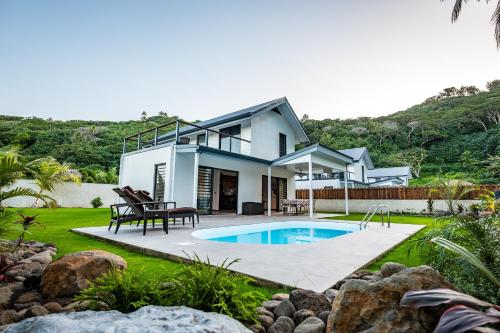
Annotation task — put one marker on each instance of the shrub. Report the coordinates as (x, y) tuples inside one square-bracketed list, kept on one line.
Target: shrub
[(96, 202), (216, 289), (124, 291)]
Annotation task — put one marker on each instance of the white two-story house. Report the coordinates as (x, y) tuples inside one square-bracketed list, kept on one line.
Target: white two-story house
[(219, 164)]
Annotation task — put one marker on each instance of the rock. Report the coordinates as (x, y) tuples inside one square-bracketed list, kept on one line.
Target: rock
[(324, 316), (23, 306), (37, 310), (331, 293), (310, 300), (44, 258), (270, 305), (285, 308), (53, 307), (31, 296), (301, 315), (282, 325), (280, 297), (263, 311), (8, 293), (256, 328), (311, 325), (7, 317), (77, 306), (31, 268), (265, 321), (374, 306), (68, 275), (31, 282), (149, 319), (390, 268)]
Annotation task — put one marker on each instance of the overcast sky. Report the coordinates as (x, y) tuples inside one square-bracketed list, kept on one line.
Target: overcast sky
[(198, 59)]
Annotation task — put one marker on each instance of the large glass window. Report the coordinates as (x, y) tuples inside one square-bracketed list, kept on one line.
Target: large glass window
[(226, 142)]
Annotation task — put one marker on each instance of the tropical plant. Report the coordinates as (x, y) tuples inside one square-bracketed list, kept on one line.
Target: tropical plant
[(495, 19), (6, 217), (463, 314), (487, 201), (464, 234), (124, 291), (95, 174), (26, 222), (47, 172), (211, 288), (5, 267), (96, 202), (430, 205), (450, 191)]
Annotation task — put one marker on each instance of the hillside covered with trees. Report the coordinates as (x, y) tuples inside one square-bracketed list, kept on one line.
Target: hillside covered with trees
[(454, 134)]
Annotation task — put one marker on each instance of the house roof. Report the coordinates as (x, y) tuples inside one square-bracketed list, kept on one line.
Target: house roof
[(357, 154), (241, 114), (389, 172), (394, 180), (313, 149)]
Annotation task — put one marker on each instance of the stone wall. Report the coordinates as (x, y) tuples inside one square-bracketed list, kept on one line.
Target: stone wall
[(68, 194)]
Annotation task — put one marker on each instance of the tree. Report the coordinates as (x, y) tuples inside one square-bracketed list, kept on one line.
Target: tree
[(412, 157), (493, 166), (492, 85), (495, 19), (144, 116), (451, 190), (48, 172)]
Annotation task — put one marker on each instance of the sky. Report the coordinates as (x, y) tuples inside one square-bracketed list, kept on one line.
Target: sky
[(111, 60)]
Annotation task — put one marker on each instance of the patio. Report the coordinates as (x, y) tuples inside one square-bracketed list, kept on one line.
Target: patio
[(315, 266)]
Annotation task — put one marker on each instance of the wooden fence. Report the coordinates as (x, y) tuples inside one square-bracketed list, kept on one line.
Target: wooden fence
[(391, 193)]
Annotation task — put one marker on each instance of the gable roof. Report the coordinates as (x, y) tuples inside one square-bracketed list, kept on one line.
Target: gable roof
[(313, 149), (242, 114), (357, 154), (389, 172)]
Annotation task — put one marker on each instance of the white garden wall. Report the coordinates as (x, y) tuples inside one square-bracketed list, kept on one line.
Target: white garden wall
[(362, 206), (68, 195)]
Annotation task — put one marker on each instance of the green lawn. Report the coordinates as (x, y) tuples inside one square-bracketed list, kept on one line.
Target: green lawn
[(399, 253), (55, 228)]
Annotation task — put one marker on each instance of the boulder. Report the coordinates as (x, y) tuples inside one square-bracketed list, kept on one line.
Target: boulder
[(310, 300), (148, 319), (44, 258), (37, 310), (301, 315), (265, 321), (282, 325), (53, 307), (324, 316), (7, 317), (280, 296), (8, 292), (374, 306), (31, 296), (390, 268), (263, 311), (70, 274), (311, 325), (256, 328), (331, 293), (270, 305), (285, 308)]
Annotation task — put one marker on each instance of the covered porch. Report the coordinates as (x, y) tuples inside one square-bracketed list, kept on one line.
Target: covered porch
[(309, 161)]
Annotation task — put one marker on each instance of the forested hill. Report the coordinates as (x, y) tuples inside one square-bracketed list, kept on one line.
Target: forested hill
[(456, 133)]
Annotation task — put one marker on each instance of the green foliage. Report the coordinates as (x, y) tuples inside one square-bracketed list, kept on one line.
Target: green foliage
[(96, 202), (480, 237), (216, 289), (125, 292), (95, 174)]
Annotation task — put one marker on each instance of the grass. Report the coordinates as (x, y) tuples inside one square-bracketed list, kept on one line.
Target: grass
[(399, 253), (56, 225)]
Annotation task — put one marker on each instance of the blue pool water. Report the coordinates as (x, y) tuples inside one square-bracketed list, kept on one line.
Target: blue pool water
[(298, 232)]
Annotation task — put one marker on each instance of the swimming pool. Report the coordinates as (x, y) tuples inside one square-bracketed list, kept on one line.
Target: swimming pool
[(289, 232)]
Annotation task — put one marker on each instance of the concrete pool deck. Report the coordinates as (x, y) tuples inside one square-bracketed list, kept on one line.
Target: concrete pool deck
[(316, 266)]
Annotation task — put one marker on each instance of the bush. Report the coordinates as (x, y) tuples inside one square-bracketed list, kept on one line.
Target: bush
[(124, 291), (216, 289), (96, 202)]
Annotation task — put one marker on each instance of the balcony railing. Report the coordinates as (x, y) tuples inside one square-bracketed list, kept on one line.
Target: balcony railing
[(154, 136)]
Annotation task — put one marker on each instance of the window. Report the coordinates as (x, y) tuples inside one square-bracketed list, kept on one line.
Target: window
[(363, 173), (159, 185), (200, 140), (282, 144), (226, 142)]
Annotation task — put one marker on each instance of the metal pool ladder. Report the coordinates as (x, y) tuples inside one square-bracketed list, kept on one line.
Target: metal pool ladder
[(372, 211)]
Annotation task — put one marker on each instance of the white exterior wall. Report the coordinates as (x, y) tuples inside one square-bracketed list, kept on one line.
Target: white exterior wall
[(183, 179), (67, 195), (265, 135), (362, 206), (357, 169), (317, 184), (137, 169)]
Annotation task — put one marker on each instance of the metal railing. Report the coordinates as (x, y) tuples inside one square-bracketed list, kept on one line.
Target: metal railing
[(372, 211), (159, 139)]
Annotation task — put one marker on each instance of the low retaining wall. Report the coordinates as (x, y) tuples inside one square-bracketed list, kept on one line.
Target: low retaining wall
[(67, 195), (362, 206)]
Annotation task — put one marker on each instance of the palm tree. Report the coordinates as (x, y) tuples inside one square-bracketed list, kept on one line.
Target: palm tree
[(495, 19), (47, 172)]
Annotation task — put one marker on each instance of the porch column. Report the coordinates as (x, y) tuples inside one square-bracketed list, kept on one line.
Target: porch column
[(346, 192), (195, 179), (311, 193), (269, 202)]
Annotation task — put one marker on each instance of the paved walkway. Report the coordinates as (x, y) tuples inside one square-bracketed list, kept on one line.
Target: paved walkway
[(315, 266)]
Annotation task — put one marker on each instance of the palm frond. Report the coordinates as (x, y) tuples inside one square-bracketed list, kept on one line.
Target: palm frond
[(495, 19), (24, 192), (468, 256)]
